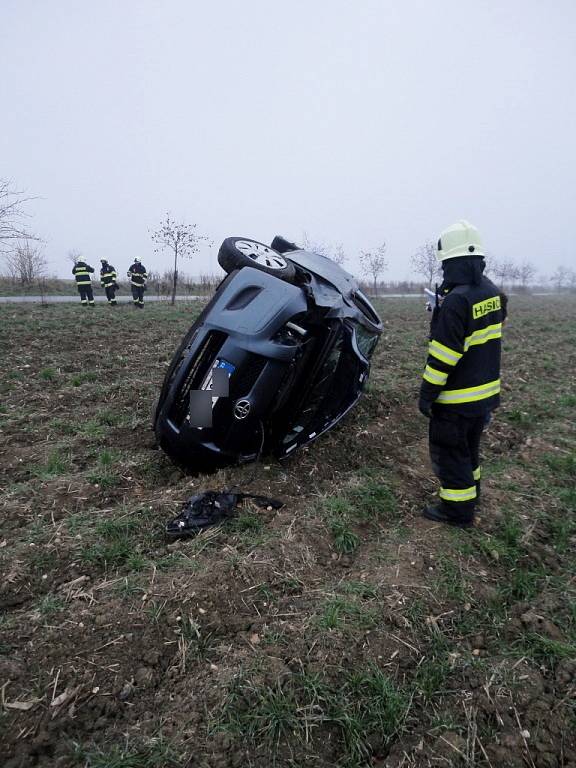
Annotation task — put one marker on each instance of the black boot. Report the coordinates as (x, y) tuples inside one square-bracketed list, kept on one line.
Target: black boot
[(439, 514)]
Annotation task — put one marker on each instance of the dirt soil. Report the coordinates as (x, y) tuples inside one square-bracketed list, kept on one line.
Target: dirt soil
[(340, 630)]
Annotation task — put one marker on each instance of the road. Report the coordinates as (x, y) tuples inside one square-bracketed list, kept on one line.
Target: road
[(128, 299), (99, 299)]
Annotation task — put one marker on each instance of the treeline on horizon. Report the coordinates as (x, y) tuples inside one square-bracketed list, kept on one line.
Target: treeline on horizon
[(24, 267), (160, 284)]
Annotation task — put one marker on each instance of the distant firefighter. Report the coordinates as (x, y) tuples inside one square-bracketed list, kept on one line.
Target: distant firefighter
[(108, 281), (81, 272), (138, 276)]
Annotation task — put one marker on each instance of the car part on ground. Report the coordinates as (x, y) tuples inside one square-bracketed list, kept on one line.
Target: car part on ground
[(297, 355), (211, 508)]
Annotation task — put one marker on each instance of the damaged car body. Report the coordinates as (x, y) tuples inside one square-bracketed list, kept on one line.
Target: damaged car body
[(294, 335)]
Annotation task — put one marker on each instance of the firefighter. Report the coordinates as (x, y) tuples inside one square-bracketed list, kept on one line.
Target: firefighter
[(138, 276), (461, 381), (81, 272), (108, 281)]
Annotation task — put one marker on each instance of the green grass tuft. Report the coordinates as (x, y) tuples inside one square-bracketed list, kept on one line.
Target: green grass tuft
[(362, 711)]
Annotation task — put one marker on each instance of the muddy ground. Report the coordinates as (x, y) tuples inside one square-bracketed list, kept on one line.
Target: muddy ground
[(341, 630)]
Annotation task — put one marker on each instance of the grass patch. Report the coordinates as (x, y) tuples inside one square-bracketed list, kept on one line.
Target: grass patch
[(343, 613), (50, 604), (93, 428), (563, 466), (373, 499), (360, 589), (345, 540), (522, 584), (43, 561), (82, 378), (451, 582), (156, 754), (246, 522), (544, 650), (361, 713), (57, 464), (104, 475), (48, 374), (562, 531), (367, 502), (114, 543), (433, 671)]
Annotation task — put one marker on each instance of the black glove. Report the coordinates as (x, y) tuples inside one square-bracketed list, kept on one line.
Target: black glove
[(425, 407)]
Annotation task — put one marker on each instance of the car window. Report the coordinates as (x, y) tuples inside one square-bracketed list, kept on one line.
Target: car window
[(317, 392), (365, 341)]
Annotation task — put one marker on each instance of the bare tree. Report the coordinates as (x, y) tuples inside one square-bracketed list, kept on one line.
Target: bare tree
[(339, 254), (561, 277), (504, 271), (512, 272), (179, 238), (492, 265), (26, 263), (526, 272), (208, 283), (12, 214), (425, 262), (374, 263), (331, 251), (74, 255)]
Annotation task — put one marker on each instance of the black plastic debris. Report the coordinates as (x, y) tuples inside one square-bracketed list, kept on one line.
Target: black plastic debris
[(211, 508)]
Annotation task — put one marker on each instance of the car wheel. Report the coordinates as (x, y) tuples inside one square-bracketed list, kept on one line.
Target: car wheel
[(238, 252)]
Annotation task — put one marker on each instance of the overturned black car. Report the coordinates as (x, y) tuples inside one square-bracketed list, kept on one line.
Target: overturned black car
[(292, 336)]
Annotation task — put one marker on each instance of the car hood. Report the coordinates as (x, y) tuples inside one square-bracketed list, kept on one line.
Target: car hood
[(325, 268)]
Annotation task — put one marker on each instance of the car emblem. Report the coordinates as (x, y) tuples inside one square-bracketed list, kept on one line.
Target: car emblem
[(242, 409)]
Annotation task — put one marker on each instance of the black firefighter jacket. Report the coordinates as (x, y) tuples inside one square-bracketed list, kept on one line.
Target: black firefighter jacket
[(81, 272), (138, 275), (107, 276), (462, 371)]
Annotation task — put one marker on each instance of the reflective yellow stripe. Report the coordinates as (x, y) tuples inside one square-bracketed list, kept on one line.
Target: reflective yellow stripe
[(433, 376), (81, 272), (483, 335), (443, 353), (470, 394), (458, 494), (477, 474)]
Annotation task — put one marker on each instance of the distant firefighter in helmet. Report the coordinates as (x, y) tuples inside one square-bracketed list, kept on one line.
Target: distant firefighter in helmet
[(81, 271), (461, 381), (108, 281), (138, 276)]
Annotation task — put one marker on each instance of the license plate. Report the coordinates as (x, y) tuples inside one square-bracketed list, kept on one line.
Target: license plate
[(208, 383)]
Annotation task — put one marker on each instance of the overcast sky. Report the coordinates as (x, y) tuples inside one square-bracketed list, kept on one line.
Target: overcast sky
[(356, 122)]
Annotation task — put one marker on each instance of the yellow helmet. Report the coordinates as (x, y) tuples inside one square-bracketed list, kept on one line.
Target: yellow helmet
[(461, 239)]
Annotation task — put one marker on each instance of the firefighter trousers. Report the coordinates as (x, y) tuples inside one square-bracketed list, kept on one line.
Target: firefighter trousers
[(455, 456), (138, 295), (110, 294), (86, 295)]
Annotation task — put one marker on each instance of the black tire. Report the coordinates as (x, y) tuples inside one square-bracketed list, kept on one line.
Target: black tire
[(238, 252)]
